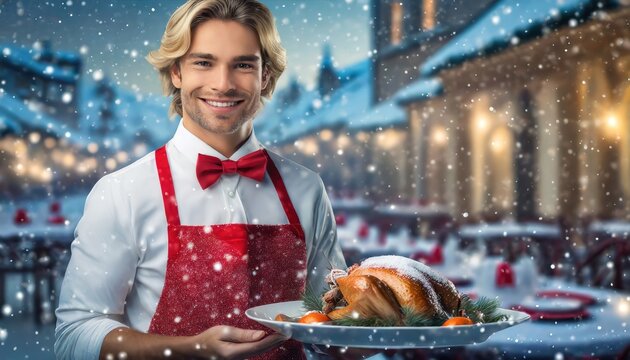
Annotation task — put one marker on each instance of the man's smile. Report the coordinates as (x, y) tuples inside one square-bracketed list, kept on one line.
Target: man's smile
[(223, 105)]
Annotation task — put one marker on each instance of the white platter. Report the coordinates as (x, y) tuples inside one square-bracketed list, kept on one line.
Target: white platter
[(378, 337)]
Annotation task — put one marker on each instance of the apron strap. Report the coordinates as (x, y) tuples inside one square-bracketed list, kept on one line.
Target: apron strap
[(166, 184), (285, 200)]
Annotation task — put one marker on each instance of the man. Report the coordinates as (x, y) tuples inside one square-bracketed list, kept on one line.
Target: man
[(172, 249)]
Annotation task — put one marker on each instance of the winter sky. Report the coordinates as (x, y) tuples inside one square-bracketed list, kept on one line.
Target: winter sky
[(115, 36)]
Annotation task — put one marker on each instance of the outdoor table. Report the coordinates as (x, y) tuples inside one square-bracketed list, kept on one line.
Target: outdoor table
[(510, 229), (612, 228), (35, 250), (351, 206), (608, 243), (605, 333), (512, 238), (421, 220)]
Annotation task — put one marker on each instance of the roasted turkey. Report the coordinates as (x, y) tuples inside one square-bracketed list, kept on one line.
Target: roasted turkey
[(382, 286)]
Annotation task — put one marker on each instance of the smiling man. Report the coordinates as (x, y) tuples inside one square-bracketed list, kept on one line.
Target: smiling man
[(172, 249)]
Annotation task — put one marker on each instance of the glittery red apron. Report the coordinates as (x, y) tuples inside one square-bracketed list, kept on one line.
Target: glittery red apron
[(214, 273)]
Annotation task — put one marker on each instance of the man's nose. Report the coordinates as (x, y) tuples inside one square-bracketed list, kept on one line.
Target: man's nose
[(223, 79)]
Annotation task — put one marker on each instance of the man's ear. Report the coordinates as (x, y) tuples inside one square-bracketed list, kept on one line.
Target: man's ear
[(265, 78), (176, 75)]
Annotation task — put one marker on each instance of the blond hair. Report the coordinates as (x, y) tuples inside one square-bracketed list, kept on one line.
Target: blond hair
[(177, 39)]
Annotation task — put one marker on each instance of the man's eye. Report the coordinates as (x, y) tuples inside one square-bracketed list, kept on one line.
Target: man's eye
[(244, 66), (202, 63)]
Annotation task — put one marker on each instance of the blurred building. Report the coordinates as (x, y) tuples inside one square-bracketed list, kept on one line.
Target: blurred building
[(354, 124), (46, 79), (61, 131), (535, 113), (497, 110)]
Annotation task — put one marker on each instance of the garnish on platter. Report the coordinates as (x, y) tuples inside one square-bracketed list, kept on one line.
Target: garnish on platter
[(392, 290)]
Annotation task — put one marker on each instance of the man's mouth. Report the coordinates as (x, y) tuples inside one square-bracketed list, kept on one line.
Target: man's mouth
[(222, 104)]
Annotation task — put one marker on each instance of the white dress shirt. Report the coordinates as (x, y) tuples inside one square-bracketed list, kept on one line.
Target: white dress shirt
[(118, 264)]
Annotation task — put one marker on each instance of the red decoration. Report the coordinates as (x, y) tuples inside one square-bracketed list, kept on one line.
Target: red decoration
[(382, 237), (55, 207), (340, 219), (504, 275), (435, 257), (364, 231), (21, 217), (56, 218)]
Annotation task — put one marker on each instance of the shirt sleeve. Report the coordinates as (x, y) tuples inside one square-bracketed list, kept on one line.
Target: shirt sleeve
[(326, 252), (99, 275)]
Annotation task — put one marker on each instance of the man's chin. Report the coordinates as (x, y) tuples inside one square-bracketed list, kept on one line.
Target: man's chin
[(222, 130)]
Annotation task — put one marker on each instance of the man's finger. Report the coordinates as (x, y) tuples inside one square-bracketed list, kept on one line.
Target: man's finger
[(233, 334), (252, 348)]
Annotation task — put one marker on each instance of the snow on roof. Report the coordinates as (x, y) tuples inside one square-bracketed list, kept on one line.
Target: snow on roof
[(387, 113), (277, 116), (390, 112), (67, 57), (355, 69), (508, 22), (135, 116), (26, 59), (347, 103), (421, 89), (281, 122)]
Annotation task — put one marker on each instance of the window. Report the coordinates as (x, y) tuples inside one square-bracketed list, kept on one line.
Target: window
[(397, 18), (428, 14)]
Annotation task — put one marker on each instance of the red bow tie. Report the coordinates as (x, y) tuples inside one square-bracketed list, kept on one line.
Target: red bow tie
[(210, 168)]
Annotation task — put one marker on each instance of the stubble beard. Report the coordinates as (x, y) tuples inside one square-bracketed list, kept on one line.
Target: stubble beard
[(196, 114)]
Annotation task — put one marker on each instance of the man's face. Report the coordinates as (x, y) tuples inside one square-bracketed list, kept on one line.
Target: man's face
[(221, 76)]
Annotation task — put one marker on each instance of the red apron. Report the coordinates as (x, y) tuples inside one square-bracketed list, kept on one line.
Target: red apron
[(214, 273)]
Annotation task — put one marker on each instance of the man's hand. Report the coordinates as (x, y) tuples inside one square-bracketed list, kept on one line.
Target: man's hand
[(218, 342), (227, 342)]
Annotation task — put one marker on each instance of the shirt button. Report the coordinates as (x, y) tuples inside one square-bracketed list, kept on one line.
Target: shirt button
[(231, 193)]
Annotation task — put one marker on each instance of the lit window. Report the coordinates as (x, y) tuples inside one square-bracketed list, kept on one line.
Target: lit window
[(397, 18), (428, 14)]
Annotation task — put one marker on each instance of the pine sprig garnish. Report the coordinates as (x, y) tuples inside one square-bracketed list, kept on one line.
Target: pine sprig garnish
[(411, 318), (312, 301), (484, 310), (369, 322)]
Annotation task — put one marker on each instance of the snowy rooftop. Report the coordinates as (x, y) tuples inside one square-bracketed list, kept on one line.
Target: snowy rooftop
[(421, 89), (278, 117), (385, 114), (135, 116), (347, 103), (285, 122), (509, 22), (27, 60), (390, 112)]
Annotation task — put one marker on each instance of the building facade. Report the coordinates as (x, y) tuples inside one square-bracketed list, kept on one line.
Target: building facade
[(540, 129)]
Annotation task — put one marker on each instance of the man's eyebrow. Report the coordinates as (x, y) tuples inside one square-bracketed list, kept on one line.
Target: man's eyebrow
[(202, 56), (248, 58), (252, 58)]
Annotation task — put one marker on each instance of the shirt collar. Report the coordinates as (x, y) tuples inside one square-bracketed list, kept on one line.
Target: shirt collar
[(190, 145)]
